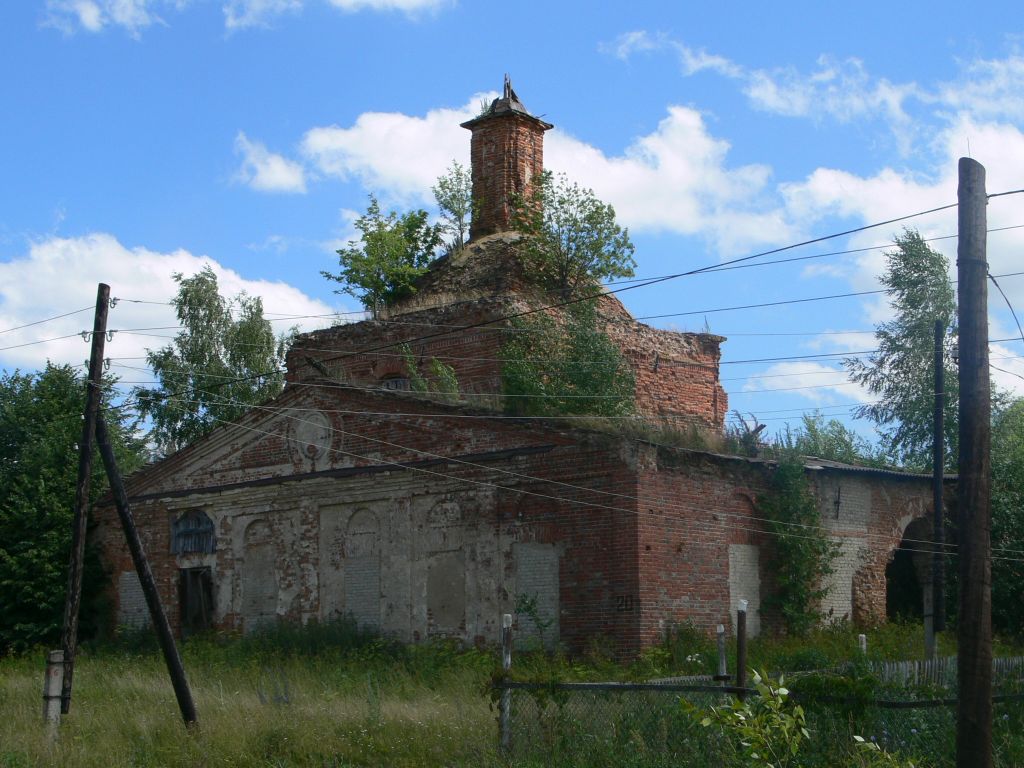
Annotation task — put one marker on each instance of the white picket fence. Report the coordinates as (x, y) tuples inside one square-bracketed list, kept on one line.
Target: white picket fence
[(942, 671)]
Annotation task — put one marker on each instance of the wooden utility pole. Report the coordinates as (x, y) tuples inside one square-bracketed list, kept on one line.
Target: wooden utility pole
[(73, 598), (505, 704), (156, 611), (938, 467), (974, 660)]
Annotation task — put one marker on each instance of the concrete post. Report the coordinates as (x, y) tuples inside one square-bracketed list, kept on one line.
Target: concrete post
[(53, 684)]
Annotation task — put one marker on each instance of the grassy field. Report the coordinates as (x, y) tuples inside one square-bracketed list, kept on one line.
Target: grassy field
[(326, 696)]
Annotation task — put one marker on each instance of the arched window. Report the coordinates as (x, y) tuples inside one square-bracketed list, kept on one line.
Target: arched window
[(193, 532), (395, 383)]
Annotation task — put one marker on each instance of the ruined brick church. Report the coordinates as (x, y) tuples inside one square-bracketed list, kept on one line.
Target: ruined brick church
[(348, 494)]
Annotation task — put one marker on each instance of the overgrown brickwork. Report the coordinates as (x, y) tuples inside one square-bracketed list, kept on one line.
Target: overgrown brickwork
[(309, 517), (348, 496)]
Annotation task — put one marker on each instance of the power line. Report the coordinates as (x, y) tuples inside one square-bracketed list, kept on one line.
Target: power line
[(1007, 300), (283, 411), (46, 320)]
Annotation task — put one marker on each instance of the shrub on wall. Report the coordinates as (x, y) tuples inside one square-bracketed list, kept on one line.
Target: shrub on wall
[(803, 551)]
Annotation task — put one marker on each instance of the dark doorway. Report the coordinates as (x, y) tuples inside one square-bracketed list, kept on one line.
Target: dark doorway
[(195, 598), (903, 597)]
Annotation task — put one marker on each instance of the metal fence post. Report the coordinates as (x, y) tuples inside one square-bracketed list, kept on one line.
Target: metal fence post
[(505, 705)]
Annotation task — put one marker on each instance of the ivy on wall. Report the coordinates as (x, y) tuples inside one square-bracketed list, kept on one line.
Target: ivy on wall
[(804, 553)]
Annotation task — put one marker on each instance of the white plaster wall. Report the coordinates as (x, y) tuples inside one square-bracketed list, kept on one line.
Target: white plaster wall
[(131, 609)]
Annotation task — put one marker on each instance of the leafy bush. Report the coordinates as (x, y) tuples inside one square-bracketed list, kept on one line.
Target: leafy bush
[(764, 730), (803, 552), (555, 367)]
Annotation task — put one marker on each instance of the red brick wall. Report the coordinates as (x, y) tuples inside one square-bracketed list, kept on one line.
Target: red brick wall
[(692, 508), (676, 373), (587, 510), (506, 152)]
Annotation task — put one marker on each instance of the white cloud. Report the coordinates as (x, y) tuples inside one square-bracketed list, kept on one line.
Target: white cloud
[(989, 89), (691, 60), (1008, 368), (265, 171), (59, 274), (240, 14), (628, 43), (819, 383), (673, 179), (397, 156), (677, 179), (95, 15), (840, 89), (409, 7)]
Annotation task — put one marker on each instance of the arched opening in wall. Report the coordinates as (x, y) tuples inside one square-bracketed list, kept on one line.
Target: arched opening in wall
[(395, 383), (193, 533), (362, 569), (907, 573), (259, 577)]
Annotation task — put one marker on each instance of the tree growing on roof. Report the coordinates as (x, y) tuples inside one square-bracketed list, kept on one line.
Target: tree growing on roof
[(569, 366), (381, 267), (573, 241), (225, 359), (453, 194)]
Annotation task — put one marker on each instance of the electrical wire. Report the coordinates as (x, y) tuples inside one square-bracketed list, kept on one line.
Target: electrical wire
[(546, 481), (46, 320)]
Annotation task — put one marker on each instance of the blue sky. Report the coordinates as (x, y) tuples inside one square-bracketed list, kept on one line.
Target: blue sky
[(144, 137)]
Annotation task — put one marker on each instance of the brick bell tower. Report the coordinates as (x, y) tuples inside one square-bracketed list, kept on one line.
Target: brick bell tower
[(506, 153)]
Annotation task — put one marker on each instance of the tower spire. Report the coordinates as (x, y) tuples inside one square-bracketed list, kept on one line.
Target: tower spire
[(507, 153)]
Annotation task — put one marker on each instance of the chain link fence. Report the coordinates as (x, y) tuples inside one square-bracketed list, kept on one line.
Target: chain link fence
[(606, 724)]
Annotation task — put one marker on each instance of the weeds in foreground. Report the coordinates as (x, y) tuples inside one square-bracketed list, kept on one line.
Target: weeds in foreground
[(331, 695)]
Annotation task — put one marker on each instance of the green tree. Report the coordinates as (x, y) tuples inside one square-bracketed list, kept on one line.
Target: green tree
[(566, 365), (803, 552), (1008, 518), (573, 239), (830, 440), (225, 358), (40, 427), (901, 373), (381, 267), (453, 194)]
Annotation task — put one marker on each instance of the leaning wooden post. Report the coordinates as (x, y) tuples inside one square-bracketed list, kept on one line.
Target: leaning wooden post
[(505, 705), (741, 647), (156, 611), (53, 682), (73, 598)]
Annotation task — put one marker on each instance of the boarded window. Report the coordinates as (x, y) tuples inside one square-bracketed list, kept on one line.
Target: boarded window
[(195, 600), (259, 577), (362, 569), (132, 610), (537, 586), (446, 594), (193, 532)]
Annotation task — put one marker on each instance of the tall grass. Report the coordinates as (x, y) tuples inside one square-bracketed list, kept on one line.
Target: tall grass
[(331, 696)]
